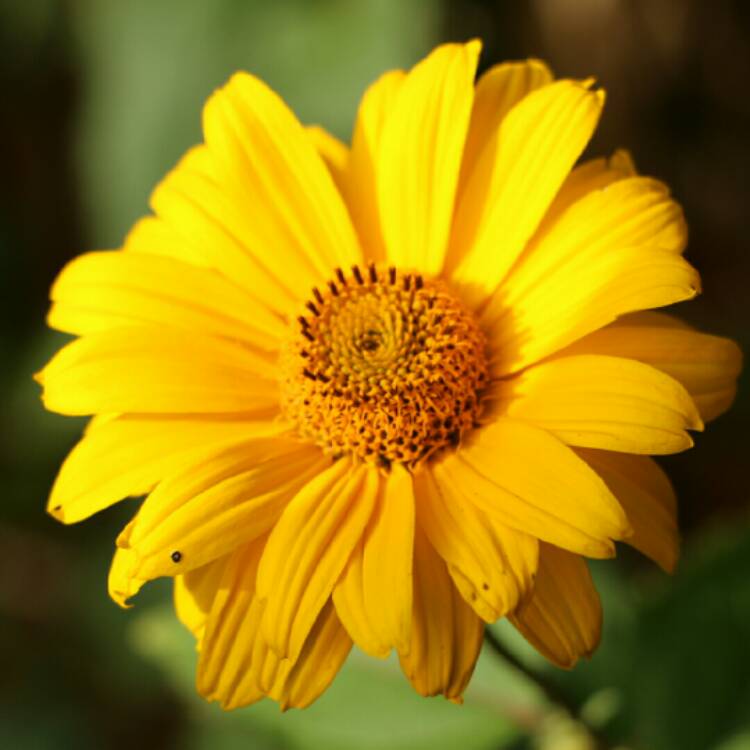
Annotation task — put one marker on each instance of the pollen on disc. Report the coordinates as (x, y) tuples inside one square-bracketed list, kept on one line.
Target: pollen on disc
[(384, 365)]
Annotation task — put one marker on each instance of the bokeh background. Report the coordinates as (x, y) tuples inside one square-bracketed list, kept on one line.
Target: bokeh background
[(98, 99)]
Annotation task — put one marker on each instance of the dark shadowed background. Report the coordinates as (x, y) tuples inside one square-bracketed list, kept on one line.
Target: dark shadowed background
[(99, 98)]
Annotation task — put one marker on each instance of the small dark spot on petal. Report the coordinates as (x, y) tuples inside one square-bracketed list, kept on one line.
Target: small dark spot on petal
[(176, 556)]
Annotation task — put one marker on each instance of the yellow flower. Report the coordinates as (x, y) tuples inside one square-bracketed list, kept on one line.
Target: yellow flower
[(386, 393)]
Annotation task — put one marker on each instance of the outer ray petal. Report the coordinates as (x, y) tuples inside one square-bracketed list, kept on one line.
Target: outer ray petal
[(528, 479), (320, 660), (708, 366), (104, 290), (563, 619), (263, 157), (595, 401), (420, 156), (333, 152), (631, 212), (231, 497), (194, 595), (646, 494), (492, 565), (236, 666), (231, 655), (516, 177), (374, 596), (153, 236), (127, 456), (361, 191), (497, 91), (308, 550), (144, 370), (587, 290), (201, 220), (446, 634), (121, 585), (590, 176)]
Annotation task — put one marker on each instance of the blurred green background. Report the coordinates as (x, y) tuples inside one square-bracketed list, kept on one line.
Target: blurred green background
[(99, 99)]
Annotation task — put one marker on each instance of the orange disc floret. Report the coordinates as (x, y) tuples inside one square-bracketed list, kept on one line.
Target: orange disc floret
[(384, 364)]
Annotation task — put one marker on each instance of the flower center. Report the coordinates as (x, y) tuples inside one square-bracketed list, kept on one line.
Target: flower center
[(385, 365)]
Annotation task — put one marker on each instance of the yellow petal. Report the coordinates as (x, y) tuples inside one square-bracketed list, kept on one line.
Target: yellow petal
[(104, 290), (231, 656), (516, 177), (531, 481), (145, 369), (351, 607), (420, 156), (586, 291), (122, 585), (631, 212), (492, 565), (127, 456), (229, 497), (590, 176), (320, 660), (361, 189), (646, 495), (708, 366), (446, 634), (294, 215), (210, 226), (194, 594), (563, 620), (153, 236), (333, 152), (237, 668), (604, 402), (374, 596), (308, 550), (497, 91)]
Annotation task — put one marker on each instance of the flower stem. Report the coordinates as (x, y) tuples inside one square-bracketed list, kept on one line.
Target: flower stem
[(551, 691)]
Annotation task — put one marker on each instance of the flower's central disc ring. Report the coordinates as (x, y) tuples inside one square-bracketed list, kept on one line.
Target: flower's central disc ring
[(384, 365)]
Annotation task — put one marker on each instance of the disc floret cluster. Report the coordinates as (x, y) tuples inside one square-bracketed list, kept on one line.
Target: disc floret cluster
[(385, 365)]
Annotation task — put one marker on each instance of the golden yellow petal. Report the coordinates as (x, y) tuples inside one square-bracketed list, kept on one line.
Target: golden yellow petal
[(516, 177), (529, 480), (585, 291), (194, 595), (333, 152), (237, 668), (122, 585), (209, 220), (374, 596), (127, 456), (563, 619), (492, 565), (446, 634), (708, 366), (230, 659), (153, 236), (145, 370), (497, 91), (320, 660), (596, 401), (104, 290), (630, 212), (308, 550), (587, 177), (294, 217), (420, 156), (361, 187), (231, 496), (646, 495)]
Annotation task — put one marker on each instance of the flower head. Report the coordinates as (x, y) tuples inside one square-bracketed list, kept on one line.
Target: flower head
[(387, 393)]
